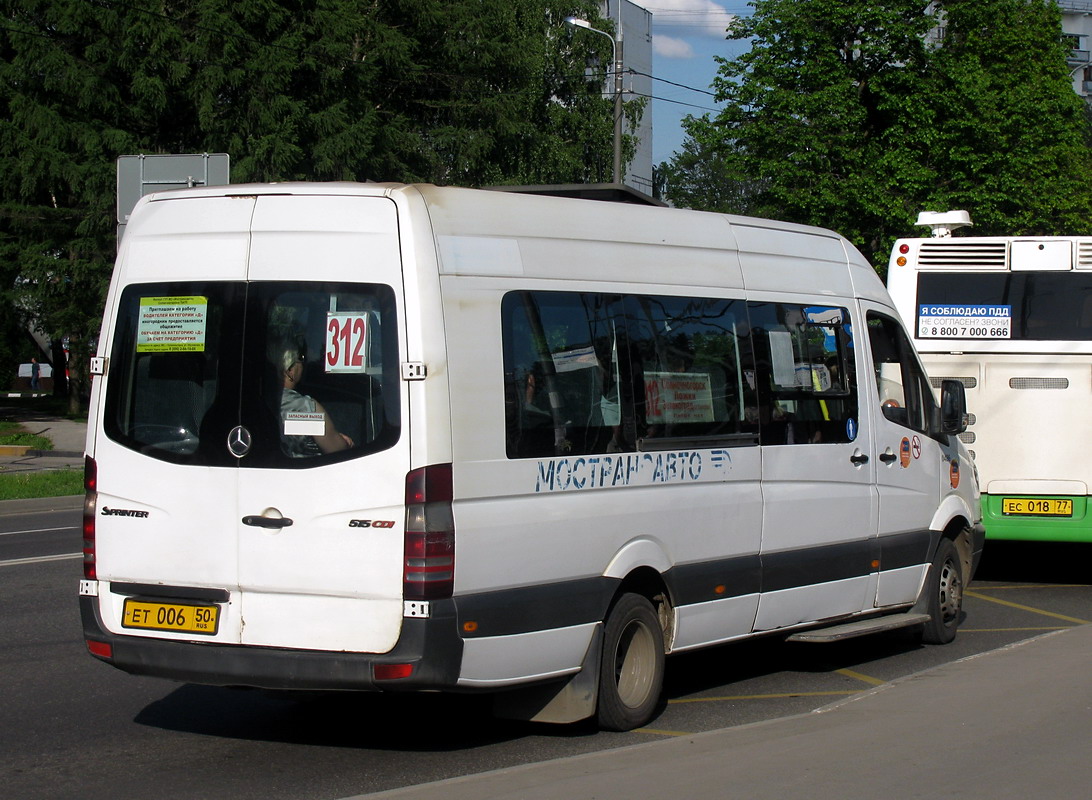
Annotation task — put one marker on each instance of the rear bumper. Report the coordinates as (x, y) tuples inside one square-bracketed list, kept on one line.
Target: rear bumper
[(431, 645), (1075, 528)]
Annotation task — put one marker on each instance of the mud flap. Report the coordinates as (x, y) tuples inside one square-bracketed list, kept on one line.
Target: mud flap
[(561, 702)]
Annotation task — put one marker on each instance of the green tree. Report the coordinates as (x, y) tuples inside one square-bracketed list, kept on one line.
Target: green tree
[(58, 142), (847, 115), (470, 92), (700, 177), (1008, 138)]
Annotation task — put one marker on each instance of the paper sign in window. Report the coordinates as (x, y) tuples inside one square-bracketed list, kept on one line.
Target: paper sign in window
[(678, 397), (172, 325), (346, 342), (782, 359), (300, 423), (572, 360)]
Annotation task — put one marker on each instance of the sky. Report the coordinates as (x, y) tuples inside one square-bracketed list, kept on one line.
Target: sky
[(686, 35)]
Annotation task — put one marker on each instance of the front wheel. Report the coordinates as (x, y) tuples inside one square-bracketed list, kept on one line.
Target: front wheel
[(944, 595), (631, 673)]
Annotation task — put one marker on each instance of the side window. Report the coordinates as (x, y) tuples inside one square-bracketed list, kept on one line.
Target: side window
[(694, 368), (905, 396), (805, 373), (562, 376)]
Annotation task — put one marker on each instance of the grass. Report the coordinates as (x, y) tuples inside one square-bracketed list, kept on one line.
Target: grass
[(46, 483), (14, 433)]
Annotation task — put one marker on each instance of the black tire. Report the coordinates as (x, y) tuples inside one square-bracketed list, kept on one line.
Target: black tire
[(631, 672), (944, 595)]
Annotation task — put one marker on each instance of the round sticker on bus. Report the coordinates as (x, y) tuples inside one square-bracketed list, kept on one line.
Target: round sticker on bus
[(904, 452), (851, 429)]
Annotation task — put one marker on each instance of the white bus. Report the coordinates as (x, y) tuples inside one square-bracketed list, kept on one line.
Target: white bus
[(392, 438), (1011, 318)]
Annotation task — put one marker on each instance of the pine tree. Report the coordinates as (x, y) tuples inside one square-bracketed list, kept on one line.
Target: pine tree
[(470, 92)]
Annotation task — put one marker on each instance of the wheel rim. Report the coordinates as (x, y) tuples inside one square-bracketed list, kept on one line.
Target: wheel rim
[(634, 664), (951, 592)]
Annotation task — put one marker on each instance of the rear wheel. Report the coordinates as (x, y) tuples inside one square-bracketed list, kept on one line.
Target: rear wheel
[(944, 595), (631, 673)]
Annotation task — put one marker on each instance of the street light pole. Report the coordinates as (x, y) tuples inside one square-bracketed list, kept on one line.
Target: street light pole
[(616, 58)]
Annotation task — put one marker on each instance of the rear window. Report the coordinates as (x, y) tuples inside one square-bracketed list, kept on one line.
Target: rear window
[(296, 374), (1053, 306)]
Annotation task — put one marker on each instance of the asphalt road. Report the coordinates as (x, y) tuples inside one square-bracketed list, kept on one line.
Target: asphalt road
[(73, 727)]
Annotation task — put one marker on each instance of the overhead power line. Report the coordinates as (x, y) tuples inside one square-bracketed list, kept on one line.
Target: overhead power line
[(673, 83), (675, 102)]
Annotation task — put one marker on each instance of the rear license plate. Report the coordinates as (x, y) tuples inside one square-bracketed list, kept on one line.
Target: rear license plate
[(178, 617), (1037, 506)]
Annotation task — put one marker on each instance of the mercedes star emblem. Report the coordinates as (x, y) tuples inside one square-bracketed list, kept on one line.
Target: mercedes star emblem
[(238, 441)]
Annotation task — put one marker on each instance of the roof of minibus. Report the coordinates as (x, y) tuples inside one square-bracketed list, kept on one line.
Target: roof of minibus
[(771, 255)]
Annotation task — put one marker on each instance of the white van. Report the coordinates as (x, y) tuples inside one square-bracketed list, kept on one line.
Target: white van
[(389, 437)]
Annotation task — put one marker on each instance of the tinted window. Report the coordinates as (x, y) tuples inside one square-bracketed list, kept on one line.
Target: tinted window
[(905, 396), (1043, 305), (310, 370), (805, 373), (562, 374), (594, 373), (173, 346), (325, 360), (692, 357)]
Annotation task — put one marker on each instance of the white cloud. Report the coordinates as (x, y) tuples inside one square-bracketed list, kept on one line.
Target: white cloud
[(689, 17), (671, 47)]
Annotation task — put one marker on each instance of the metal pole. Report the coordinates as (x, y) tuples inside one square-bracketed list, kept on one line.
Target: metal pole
[(618, 102), (616, 57)]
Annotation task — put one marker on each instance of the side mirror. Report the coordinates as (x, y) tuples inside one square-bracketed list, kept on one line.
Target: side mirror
[(953, 407)]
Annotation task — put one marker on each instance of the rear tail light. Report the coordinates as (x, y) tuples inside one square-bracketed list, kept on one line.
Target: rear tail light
[(100, 649), (391, 672), (428, 571), (90, 500)]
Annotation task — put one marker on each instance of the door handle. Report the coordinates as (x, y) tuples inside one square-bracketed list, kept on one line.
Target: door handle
[(267, 522), (858, 459), (887, 457)]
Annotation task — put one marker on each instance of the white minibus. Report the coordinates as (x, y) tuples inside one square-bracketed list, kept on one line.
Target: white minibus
[(388, 438)]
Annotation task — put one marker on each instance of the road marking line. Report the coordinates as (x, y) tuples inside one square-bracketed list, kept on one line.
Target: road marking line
[(39, 559), (858, 676), (773, 696), (1036, 586), (1015, 630), (661, 733), (977, 596), (41, 530)]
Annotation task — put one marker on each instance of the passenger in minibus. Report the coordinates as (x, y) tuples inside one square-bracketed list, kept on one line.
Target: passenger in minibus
[(296, 403)]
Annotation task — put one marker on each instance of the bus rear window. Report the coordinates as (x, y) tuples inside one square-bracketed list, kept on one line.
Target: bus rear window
[(1029, 306)]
